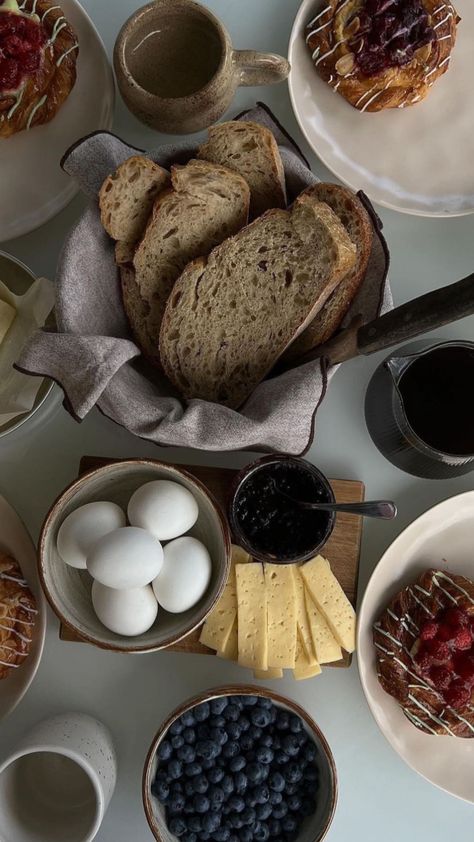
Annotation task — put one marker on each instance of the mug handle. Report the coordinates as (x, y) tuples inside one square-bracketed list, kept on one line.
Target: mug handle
[(254, 68)]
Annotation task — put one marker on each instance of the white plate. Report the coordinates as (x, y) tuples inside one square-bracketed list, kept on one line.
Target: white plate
[(441, 537), (34, 188), (15, 540), (415, 160)]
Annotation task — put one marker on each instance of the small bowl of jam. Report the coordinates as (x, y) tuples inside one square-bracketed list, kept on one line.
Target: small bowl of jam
[(268, 525)]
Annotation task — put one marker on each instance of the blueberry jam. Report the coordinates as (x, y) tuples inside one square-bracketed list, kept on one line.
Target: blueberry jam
[(237, 769), (389, 33), (273, 525), (21, 42)]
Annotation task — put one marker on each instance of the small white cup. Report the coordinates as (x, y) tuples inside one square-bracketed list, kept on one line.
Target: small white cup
[(58, 782)]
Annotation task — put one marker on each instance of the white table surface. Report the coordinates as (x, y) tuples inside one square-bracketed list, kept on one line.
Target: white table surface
[(380, 797)]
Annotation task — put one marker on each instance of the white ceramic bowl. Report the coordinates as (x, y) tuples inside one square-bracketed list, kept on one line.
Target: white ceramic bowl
[(69, 590), (314, 828)]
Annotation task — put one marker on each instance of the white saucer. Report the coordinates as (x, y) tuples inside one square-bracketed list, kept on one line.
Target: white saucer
[(441, 537), (415, 160), (34, 188), (15, 540)]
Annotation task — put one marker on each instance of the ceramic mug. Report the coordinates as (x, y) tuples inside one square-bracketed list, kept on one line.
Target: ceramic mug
[(177, 70), (58, 782)]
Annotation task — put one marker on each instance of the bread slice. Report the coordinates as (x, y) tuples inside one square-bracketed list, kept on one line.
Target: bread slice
[(252, 151), (356, 220), (207, 204), (127, 195), (231, 316)]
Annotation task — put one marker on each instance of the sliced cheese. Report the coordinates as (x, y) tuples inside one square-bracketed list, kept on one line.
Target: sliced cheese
[(7, 317), (272, 672), (231, 649), (302, 620), (331, 600), (303, 668), (217, 628), (325, 644), (252, 616), (281, 607)]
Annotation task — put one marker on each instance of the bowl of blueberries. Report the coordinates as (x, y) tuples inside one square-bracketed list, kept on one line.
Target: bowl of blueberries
[(239, 764)]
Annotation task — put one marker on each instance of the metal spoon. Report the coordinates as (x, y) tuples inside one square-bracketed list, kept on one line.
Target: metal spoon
[(384, 509)]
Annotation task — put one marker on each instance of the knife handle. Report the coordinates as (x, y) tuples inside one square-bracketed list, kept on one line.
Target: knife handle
[(428, 312)]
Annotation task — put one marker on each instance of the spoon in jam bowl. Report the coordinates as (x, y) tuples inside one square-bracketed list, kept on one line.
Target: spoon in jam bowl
[(384, 509)]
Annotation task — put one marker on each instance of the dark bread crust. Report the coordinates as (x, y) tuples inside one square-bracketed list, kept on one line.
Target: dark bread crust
[(17, 616)]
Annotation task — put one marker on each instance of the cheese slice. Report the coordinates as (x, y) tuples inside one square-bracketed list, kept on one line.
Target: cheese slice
[(331, 600), (325, 644), (271, 672), (217, 628), (303, 668), (281, 606), (302, 620), (231, 649), (7, 317), (252, 616)]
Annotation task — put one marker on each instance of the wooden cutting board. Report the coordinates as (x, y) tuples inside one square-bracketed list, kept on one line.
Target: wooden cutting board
[(342, 549)]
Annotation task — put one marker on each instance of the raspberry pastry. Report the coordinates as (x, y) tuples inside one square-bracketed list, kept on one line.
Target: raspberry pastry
[(425, 653), (38, 54), (17, 616), (382, 53)]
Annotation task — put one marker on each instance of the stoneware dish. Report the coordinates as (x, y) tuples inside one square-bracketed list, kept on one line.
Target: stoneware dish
[(315, 827), (177, 70), (68, 590)]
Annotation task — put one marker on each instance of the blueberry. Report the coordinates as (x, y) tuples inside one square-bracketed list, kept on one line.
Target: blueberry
[(210, 822), (309, 752), (232, 712), (264, 755), (249, 816), (261, 832), (177, 741), (273, 714), (281, 758), (274, 827), (289, 824), (215, 775), (308, 806), (203, 731), (200, 784), (174, 769), (265, 771), (202, 712), (276, 782), (237, 763), (249, 701), (235, 820), (165, 750), (275, 798), (189, 787), (311, 773), (290, 745), (267, 740), (244, 723), (291, 789), (204, 836), (209, 763), (201, 804), (188, 808), (280, 811), (189, 837), (217, 722), (177, 825), (254, 772), (255, 733), (294, 803), (219, 736), (296, 724), (188, 719), (176, 804), (195, 824), (186, 754), (236, 803), (176, 728), (231, 749), (263, 702), (207, 749), (260, 717), (227, 785), (292, 773), (264, 811), (161, 790), (262, 794), (283, 720), (189, 736), (250, 800), (246, 834), (240, 782), (176, 788), (219, 705), (246, 742), (222, 834), (216, 794), (192, 769), (234, 730)]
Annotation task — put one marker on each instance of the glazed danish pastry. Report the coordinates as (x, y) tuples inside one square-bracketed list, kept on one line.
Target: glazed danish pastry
[(382, 53), (38, 54), (17, 616)]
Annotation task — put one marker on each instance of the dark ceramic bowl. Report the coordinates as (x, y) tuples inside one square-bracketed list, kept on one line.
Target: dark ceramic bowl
[(314, 828), (325, 521)]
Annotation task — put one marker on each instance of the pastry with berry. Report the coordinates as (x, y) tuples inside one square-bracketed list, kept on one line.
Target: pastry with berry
[(382, 53), (17, 616), (424, 642), (38, 55)]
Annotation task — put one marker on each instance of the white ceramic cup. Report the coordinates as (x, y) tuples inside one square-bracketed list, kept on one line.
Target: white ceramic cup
[(57, 784)]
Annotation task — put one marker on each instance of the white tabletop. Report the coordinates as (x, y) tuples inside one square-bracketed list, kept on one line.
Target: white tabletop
[(380, 797)]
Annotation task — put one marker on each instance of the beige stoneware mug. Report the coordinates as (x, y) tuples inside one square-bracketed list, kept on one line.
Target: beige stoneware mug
[(177, 70)]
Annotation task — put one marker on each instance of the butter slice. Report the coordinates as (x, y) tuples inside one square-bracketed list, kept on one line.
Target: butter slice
[(7, 317), (231, 649), (281, 605), (217, 628), (303, 668), (302, 620), (252, 616), (271, 672), (331, 600)]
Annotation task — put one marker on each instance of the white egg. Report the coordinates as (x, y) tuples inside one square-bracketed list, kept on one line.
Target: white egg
[(164, 508), (128, 612), (126, 558), (84, 527), (185, 575)]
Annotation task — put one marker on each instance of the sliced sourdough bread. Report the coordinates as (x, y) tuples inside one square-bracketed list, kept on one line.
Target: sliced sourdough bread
[(126, 198), (207, 204), (252, 151), (231, 316), (356, 220)]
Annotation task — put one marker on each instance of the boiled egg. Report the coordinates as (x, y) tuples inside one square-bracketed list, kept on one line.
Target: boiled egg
[(84, 527), (128, 613), (185, 575), (166, 509), (126, 558)]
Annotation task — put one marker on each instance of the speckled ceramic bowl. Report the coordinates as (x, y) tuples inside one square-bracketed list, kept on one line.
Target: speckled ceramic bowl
[(68, 590), (314, 828)]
